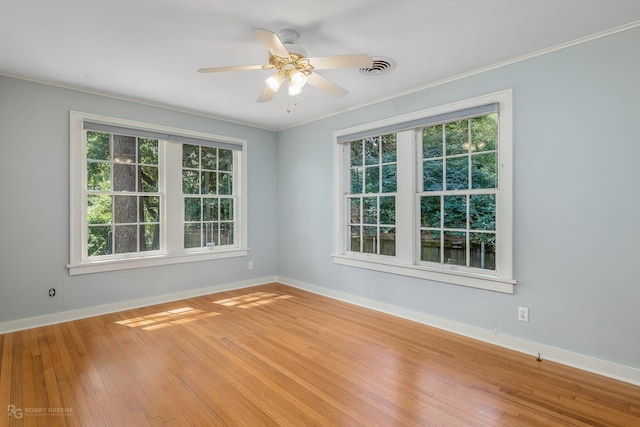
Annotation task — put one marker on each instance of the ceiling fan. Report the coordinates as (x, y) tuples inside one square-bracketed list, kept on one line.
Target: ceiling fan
[(292, 65)]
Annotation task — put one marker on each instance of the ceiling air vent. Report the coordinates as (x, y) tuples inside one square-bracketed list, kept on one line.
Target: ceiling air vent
[(379, 66)]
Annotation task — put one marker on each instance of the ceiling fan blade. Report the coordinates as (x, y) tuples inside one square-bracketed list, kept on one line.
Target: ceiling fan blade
[(235, 68), (272, 42), (341, 61), (319, 82), (266, 95)]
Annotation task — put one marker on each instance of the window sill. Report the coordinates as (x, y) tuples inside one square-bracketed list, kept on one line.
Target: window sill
[(491, 283), (151, 261)]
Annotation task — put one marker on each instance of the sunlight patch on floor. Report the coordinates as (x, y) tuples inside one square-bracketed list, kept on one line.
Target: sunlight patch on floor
[(252, 300), (166, 318)]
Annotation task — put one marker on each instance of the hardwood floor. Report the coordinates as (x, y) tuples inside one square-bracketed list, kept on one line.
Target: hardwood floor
[(275, 355)]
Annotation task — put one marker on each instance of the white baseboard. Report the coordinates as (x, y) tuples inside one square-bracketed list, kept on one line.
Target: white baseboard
[(66, 316), (580, 361)]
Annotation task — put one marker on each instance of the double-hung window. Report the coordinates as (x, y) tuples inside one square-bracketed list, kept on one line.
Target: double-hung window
[(209, 200), (429, 194), (144, 195), (371, 200)]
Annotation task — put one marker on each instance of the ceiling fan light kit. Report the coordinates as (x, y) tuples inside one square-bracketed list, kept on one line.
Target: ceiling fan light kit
[(292, 64)]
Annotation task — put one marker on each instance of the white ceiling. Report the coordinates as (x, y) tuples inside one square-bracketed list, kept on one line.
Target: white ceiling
[(150, 49)]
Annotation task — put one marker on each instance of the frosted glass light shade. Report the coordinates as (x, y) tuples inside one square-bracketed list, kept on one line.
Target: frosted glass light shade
[(274, 81), (298, 78)]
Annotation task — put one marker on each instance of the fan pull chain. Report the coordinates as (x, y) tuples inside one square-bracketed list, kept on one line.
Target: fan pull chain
[(295, 104)]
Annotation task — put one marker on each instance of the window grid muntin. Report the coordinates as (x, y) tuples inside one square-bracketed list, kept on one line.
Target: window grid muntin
[(211, 233), (359, 169), (468, 192), (140, 223)]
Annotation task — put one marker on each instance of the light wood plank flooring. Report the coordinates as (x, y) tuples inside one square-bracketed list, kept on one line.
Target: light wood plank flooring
[(278, 356)]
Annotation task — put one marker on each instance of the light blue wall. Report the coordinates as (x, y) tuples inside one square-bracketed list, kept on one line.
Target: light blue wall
[(577, 203), (34, 198)]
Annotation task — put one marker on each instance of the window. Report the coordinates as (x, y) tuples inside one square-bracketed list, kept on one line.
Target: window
[(145, 195), (372, 201), (429, 194), (459, 187), (123, 201), (207, 185)]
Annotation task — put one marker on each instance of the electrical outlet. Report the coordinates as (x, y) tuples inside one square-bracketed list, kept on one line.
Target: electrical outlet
[(52, 292), (250, 265), (523, 314)]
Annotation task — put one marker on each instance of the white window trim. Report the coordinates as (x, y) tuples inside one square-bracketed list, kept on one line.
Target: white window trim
[(171, 252), (405, 262)]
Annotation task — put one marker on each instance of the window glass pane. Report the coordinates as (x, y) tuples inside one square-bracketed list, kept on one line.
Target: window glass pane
[(124, 177), (213, 175), (99, 209), (370, 210), (389, 151), (458, 173), (98, 176), (389, 180), (148, 151), (190, 182), (432, 175), (457, 137), (370, 243), (482, 212), (226, 209), (356, 180), (225, 183), (388, 241), (208, 183), (210, 209), (210, 234), (484, 170), (455, 212), (98, 146), (209, 158), (192, 208), (190, 156), (430, 211), (125, 238), (355, 209), (192, 235), (99, 241), (455, 247), (149, 237), (130, 221), (356, 153), (124, 149), (354, 238), (372, 179), (372, 151), (483, 250), (225, 160), (226, 233), (125, 210), (484, 133), (432, 142), (430, 245), (388, 210), (149, 209), (148, 176)]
